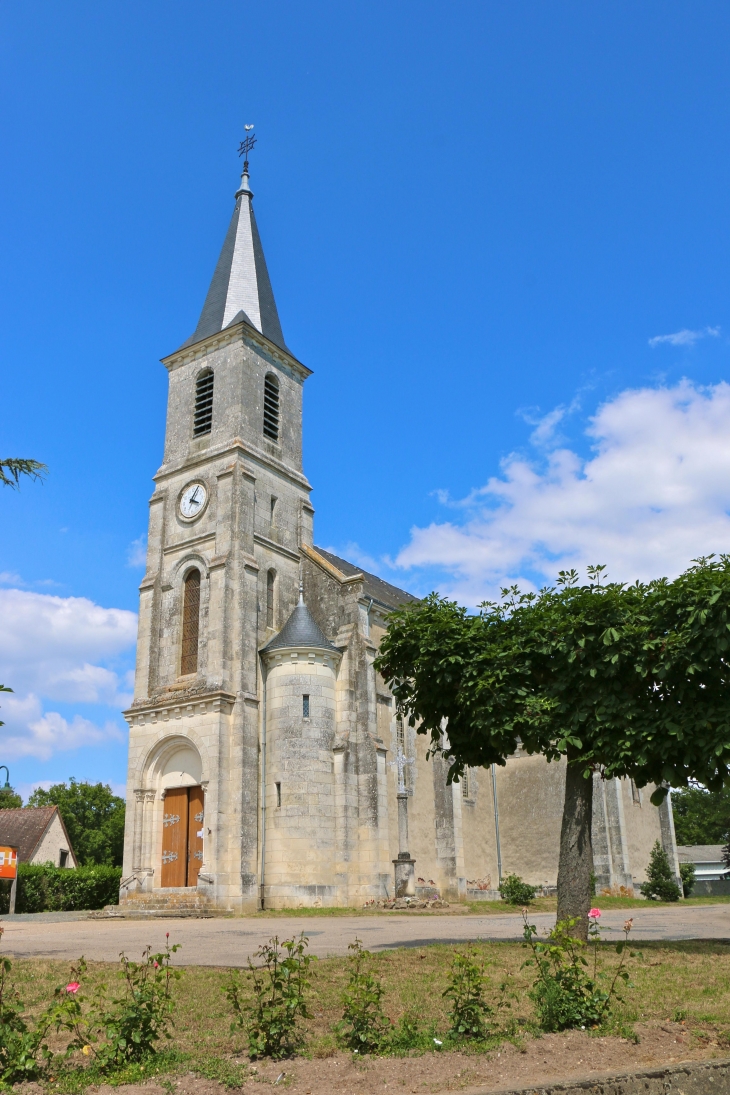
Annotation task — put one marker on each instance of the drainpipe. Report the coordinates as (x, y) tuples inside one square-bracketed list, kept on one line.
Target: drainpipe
[(263, 785), (496, 821)]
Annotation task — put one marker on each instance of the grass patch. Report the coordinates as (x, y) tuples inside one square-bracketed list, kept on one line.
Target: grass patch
[(489, 908), (604, 902), (670, 981)]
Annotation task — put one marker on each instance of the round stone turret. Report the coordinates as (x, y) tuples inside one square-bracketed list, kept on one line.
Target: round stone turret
[(301, 667)]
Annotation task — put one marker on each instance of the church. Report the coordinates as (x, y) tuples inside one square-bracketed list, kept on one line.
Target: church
[(267, 765)]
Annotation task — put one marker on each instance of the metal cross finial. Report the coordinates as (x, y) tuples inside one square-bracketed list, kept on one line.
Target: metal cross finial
[(246, 145), (400, 763)]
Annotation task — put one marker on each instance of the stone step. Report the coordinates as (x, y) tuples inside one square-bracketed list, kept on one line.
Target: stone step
[(154, 912)]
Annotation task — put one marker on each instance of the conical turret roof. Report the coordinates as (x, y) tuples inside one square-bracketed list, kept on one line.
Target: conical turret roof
[(241, 288), (301, 629)]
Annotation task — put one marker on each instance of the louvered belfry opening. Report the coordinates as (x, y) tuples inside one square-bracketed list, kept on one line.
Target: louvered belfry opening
[(191, 623), (203, 419), (271, 407), (270, 584)]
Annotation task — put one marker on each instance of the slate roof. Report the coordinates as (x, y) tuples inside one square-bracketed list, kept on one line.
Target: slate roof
[(301, 629), (241, 287), (382, 592), (700, 853), (25, 827)]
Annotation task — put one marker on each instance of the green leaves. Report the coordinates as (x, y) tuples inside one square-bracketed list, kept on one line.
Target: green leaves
[(364, 1027), (279, 985), (465, 990), (630, 679), (94, 817)]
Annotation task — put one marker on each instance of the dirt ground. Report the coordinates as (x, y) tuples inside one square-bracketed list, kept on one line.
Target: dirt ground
[(551, 1058)]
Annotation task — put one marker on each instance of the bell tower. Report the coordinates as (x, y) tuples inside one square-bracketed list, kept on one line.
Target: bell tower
[(229, 514)]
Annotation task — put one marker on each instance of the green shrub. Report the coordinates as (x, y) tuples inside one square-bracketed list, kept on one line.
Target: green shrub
[(516, 892), (24, 1052), (126, 1028), (566, 995), (687, 873), (364, 1027), (279, 987), (660, 884), (45, 888), (469, 1009)]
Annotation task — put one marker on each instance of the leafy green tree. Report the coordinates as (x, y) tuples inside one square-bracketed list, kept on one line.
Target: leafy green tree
[(627, 680), (11, 470), (688, 875), (94, 817), (9, 799), (701, 816)]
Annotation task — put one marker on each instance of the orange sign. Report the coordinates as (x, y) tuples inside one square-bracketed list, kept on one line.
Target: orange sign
[(8, 861)]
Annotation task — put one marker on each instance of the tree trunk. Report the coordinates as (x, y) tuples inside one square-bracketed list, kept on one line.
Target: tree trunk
[(575, 893)]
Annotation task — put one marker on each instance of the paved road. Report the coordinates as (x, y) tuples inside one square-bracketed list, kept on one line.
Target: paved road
[(229, 942)]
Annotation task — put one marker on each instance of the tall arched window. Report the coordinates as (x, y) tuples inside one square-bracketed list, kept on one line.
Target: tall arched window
[(191, 623), (270, 590), (271, 407), (203, 418)]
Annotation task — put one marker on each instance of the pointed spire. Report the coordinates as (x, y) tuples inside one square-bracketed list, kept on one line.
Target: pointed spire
[(241, 289)]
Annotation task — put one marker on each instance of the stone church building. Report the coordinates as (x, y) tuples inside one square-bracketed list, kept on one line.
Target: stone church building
[(266, 762)]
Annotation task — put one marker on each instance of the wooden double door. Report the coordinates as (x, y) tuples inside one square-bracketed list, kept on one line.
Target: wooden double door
[(182, 836)]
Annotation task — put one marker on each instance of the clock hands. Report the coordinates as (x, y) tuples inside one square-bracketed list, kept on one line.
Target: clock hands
[(194, 497)]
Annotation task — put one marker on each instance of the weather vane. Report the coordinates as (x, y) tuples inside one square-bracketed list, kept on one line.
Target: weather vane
[(246, 145)]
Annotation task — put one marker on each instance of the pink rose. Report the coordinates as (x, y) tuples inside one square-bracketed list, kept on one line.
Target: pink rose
[(157, 965), (73, 986), (594, 913)]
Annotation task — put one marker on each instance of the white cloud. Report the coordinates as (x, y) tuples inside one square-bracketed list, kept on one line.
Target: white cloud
[(53, 648), (51, 645), (29, 732), (684, 337), (654, 494), (137, 552), (353, 553), (545, 434), (10, 578)]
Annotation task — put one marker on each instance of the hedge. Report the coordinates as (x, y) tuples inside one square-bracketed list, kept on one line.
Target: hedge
[(45, 888)]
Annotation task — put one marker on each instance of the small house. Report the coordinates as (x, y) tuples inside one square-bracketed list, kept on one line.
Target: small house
[(712, 876), (39, 834)]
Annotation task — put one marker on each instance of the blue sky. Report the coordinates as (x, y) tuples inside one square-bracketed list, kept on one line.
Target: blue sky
[(478, 219)]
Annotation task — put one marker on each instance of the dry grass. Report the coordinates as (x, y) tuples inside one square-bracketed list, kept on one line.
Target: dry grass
[(685, 980)]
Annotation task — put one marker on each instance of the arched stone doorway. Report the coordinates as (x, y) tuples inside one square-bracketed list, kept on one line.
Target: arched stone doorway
[(183, 799)]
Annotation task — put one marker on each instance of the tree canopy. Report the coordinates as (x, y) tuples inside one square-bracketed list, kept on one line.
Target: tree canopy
[(93, 816), (629, 679), (634, 678), (701, 816)]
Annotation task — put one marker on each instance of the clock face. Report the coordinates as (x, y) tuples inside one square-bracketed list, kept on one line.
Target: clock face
[(193, 499)]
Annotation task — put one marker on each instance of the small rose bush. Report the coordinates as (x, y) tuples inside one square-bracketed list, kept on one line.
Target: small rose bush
[(567, 994)]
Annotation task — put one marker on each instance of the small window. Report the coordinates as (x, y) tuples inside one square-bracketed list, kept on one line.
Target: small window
[(400, 735), (305, 707), (400, 743), (203, 419), (272, 517), (191, 623), (278, 794), (271, 407), (270, 591), (465, 783), (635, 794), (63, 858)]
